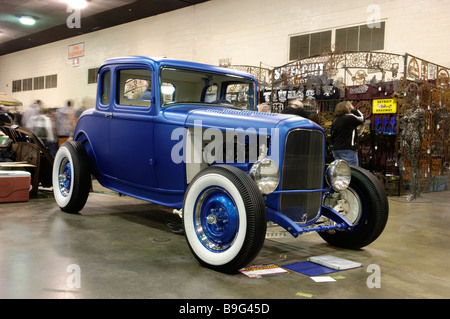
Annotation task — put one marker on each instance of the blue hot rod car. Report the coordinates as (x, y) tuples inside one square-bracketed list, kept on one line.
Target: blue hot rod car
[(188, 136)]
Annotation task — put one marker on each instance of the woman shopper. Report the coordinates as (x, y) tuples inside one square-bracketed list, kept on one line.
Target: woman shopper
[(343, 132)]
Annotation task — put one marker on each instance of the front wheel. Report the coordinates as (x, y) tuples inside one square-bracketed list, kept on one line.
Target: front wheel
[(224, 218), (71, 177), (365, 205)]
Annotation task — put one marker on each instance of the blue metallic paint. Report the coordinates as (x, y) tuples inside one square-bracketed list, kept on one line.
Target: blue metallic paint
[(65, 177), (217, 235), (129, 147)]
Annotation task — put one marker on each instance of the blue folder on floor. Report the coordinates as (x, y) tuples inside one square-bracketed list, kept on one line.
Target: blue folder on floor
[(309, 268)]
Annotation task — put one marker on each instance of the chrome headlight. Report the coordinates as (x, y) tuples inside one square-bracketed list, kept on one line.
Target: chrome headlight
[(266, 174), (338, 175)]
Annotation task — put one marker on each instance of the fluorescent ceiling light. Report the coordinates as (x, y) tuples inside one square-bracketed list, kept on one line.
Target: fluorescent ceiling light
[(27, 20), (75, 4)]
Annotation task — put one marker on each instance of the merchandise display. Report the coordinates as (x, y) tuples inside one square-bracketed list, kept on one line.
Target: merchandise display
[(386, 96)]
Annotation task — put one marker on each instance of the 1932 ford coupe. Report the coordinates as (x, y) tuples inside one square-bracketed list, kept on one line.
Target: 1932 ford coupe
[(188, 136)]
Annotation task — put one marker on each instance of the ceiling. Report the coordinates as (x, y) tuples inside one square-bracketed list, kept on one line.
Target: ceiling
[(52, 15)]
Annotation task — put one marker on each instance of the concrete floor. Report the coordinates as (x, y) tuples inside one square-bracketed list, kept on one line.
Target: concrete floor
[(123, 248)]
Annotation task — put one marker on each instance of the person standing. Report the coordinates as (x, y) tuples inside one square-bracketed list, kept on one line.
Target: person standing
[(344, 134), (64, 122), (42, 127), (295, 107), (33, 110)]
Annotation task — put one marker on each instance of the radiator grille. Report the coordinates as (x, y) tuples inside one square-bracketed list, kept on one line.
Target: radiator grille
[(302, 170)]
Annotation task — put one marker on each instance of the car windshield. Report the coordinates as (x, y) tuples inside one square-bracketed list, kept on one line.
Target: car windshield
[(181, 86)]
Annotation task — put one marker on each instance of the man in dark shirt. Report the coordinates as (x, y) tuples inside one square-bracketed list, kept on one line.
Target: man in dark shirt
[(344, 134)]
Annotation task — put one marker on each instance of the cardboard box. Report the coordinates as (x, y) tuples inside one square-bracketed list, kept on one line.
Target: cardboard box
[(14, 186)]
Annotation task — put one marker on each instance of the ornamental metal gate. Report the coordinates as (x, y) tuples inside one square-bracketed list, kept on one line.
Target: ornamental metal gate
[(379, 85)]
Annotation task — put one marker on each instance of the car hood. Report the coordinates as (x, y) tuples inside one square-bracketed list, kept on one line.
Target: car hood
[(224, 118)]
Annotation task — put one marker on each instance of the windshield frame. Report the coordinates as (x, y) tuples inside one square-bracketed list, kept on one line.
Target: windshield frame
[(201, 81)]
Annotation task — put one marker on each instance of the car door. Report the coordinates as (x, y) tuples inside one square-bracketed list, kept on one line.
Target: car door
[(131, 127), (99, 123)]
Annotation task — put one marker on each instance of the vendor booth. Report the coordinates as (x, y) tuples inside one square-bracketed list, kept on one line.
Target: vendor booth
[(388, 89)]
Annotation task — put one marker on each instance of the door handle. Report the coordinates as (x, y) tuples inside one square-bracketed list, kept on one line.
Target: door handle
[(109, 115)]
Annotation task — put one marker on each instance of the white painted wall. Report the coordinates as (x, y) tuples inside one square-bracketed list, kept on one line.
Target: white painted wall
[(247, 31)]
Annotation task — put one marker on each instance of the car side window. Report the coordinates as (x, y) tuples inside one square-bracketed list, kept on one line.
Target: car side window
[(134, 87), (105, 87)]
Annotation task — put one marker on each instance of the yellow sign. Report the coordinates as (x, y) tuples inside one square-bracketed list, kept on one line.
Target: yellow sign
[(384, 106)]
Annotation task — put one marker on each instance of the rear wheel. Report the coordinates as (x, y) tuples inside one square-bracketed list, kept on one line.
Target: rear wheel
[(224, 218), (365, 205), (71, 177)]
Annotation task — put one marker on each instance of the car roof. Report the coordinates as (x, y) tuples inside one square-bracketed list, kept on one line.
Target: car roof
[(159, 62)]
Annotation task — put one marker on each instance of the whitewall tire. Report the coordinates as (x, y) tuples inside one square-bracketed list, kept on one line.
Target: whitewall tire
[(224, 218), (71, 177)]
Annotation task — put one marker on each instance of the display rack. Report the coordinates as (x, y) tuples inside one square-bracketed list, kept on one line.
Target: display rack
[(368, 80)]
